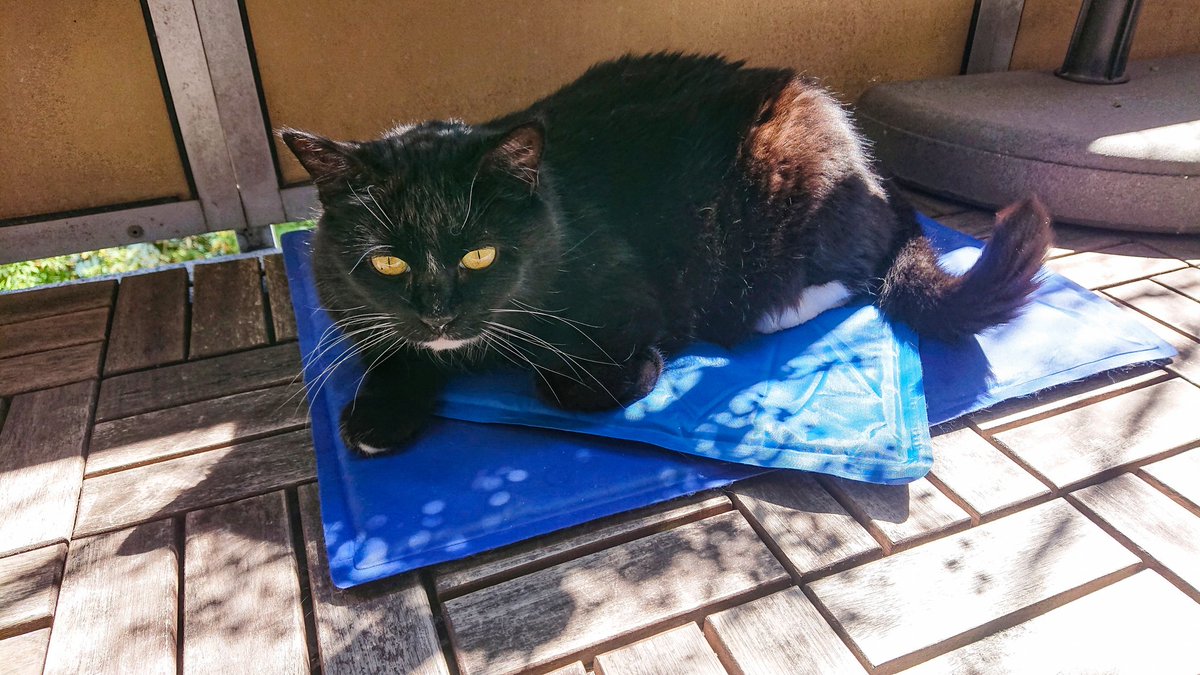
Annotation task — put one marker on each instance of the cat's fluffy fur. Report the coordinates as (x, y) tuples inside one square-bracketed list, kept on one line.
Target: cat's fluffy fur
[(654, 201)]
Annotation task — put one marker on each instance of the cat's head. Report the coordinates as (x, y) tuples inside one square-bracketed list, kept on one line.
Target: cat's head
[(435, 226)]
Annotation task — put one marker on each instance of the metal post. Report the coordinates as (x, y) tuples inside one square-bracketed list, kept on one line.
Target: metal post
[(1100, 45)]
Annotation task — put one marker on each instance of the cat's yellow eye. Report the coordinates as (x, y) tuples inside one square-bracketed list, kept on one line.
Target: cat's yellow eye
[(389, 265), (479, 258)]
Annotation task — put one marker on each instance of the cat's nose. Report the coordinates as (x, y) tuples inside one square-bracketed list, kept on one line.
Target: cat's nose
[(438, 322)]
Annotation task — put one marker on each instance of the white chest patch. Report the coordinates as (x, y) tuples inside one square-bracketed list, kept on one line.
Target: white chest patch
[(443, 344), (812, 301)]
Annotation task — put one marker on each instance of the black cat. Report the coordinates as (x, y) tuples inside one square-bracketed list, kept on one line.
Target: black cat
[(654, 201)]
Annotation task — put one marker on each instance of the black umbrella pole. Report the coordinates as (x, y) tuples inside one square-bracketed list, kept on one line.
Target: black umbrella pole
[(1100, 45)]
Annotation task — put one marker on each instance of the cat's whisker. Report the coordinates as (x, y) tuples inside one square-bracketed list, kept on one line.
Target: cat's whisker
[(569, 359)]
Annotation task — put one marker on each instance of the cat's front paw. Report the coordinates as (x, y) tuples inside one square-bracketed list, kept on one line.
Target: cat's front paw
[(373, 427), (604, 388)]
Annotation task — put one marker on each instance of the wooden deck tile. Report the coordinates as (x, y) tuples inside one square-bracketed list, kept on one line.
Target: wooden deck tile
[(1085, 442), (64, 330), (227, 308), (781, 634), (1066, 397), (174, 432), (25, 654), (1185, 281), (66, 299), (1070, 239), (1182, 246), (29, 589), (241, 589), (1138, 625), (682, 651), (556, 613), (980, 474), (41, 465), (1187, 363), (811, 531), (283, 319), (932, 205), (117, 610), (120, 499), (573, 669), (899, 514), (978, 224), (193, 381), (1115, 265), (900, 609), (53, 368), (1179, 474), (385, 626), (1174, 309), (1161, 528), (149, 326), (461, 576)]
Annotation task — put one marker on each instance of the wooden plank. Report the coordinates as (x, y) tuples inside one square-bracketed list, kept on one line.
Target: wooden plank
[(899, 515), (54, 368), (1157, 526), (931, 205), (781, 634), (1183, 247), (978, 224), (1179, 474), (979, 474), (283, 319), (63, 330), (227, 308), (903, 608), (1138, 625), (29, 589), (557, 613), (1114, 265), (149, 324), (1185, 281), (1186, 363), (193, 381), (385, 626), (117, 608), (241, 589), (572, 669), (41, 465), (1104, 436), (811, 531), (1066, 397), (1070, 239), (682, 651), (25, 654), (1174, 309), (174, 432), (65, 299), (458, 577), (163, 489)]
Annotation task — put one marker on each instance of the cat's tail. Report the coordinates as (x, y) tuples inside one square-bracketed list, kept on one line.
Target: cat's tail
[(936, 303)]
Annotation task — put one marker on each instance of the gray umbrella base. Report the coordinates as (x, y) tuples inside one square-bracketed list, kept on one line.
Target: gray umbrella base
[(1122, 156)]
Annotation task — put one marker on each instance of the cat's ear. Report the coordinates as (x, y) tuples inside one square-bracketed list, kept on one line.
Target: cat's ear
[(325, 160), (518, 153)]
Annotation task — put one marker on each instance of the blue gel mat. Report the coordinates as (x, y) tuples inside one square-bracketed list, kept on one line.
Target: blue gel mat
[(841, 395)]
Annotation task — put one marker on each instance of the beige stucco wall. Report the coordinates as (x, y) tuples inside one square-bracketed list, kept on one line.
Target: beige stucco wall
[(83, 122)]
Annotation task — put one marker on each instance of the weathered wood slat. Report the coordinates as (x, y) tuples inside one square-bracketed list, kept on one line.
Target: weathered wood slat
[(41, 465), (193, 381), (980, 474), (386, 626), (1181, 246), (1185, 281), (463, 575), (53, 368), (227, 308), (149, 326), (174, 432), (1138, 625), (241, 589), (1066, 397), (932, 205), (25, 654), (682, 651), (1186, 363), (1088, 441), (552, 614), (1164, 530), (811, 530), (283, 319), (52, 332), (118, 603), (781, 634), (572, 669), (163, 489), (903, 608), (1115, 265), (899, 514), (1179, 474), (1175, 309), (43, 302), (29, 589), (1070, 239)]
